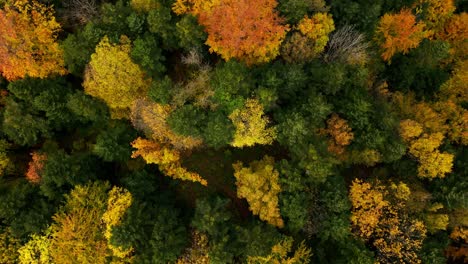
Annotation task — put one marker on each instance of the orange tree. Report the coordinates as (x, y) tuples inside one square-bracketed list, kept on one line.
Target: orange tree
[(28, 45), (250, 31)]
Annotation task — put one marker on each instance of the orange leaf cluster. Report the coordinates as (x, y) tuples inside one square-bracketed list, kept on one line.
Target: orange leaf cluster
[(28, 45), (248, 30), (459, 250), (166, 157), (340, 133), (399, 33), (35, 167)]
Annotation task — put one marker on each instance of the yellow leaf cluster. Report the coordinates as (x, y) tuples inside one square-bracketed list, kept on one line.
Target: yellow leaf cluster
[(456, 33), (368, 202), (432, 163), (9, 246), (77, 232), (251, 125), (279, 254), (259, 185), (384, 224), (167, 158), (150, 117), (36, 250), (28, 37), (410, 129), (194, 7), (113, 77), (436, 12), (118, 202), (317, 28)]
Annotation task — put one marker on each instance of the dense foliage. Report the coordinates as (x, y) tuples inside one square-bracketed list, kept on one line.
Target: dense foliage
[(233, 131)]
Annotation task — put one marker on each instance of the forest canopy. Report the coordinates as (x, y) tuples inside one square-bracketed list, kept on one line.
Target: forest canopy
[(233, 131)]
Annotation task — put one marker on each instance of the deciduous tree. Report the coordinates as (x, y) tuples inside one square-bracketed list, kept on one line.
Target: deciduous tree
[(251, 125), (279, 254), (259, 184), (399, 33), (250, 31), (28, 41), (113, 77)]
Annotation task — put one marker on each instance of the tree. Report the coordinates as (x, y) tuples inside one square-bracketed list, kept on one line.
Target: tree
[(151, 118), (37, 249), (317, 28), (347, 45), (28, 45), (340, 133), (279, 254), (9, 246), (378, 216), (259, 185), (118, 202), (77, 233), (6, 166), (250, 31), (251, 125), (167, 158), (113, 141), (399, 33), (435, 12), (113, 77), (35, 167)]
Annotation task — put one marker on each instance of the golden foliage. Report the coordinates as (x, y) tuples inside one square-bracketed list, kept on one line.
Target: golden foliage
[(435, 12), (317, 28), (36, 250), (9, 246), (251, 125), (198, 251), (248, 30), (151, 117), (378, 216), (35, 167), (167, 158), (436, 221), (410, 129), (259, 185), (118, 202), (112, 76), (194, 7), (399, 33), (28, 41), (459, 250), (279, 254), (77, 232), (433, 163)]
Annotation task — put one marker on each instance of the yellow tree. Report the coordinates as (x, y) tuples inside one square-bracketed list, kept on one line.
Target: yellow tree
[(456, 33), (433, 163), (194, 7), (28, 41), (399, 33), (77, 232), (36, 250), (279, 254), (118, 202), (167, 158), (317, 28), (251, 125), (112, 76), (198, 252), (379, 217), (259, 185)]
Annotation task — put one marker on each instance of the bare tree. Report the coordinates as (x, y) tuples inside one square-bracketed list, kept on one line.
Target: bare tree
[(79, 12), (347, 45)]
